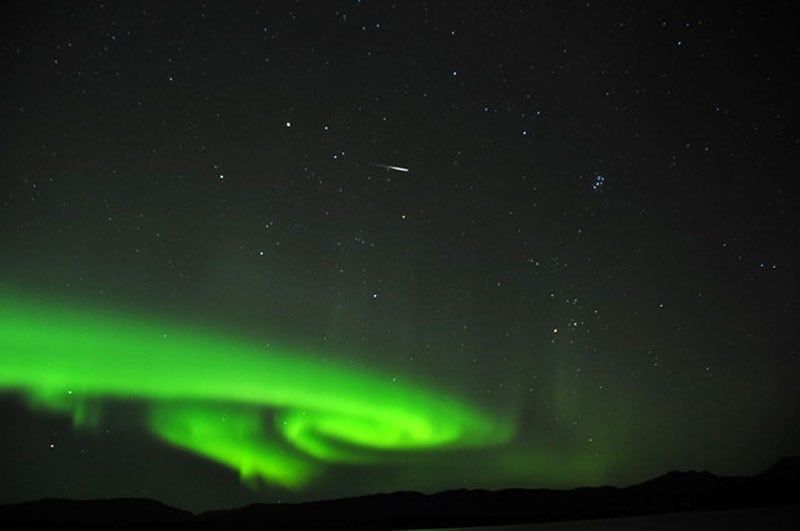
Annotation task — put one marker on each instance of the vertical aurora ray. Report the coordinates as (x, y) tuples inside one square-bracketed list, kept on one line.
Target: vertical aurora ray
[(206, 393)]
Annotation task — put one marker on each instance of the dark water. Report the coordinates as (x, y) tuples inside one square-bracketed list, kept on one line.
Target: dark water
[(765, 518)]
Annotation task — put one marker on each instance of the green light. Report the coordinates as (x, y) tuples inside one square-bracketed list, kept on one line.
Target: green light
[(206, 392)]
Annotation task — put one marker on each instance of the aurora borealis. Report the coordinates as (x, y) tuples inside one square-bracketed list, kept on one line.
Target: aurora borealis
[(203, 392), (287, 251)]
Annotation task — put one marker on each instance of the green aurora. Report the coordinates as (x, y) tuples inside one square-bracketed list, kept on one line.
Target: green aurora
[(207, 393)]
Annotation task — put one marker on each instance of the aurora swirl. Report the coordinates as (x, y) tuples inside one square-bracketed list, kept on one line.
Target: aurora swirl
[(207, 392)]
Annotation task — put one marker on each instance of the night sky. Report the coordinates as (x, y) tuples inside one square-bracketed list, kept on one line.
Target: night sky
[(289, 251)]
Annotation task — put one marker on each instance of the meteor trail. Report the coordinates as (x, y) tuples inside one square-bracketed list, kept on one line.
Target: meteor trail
[(389, 167)]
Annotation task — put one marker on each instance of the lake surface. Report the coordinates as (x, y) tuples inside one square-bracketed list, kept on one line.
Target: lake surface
[(772, 518)]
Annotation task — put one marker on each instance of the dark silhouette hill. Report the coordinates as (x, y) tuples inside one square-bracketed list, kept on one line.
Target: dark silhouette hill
[(127, 513), (672, 492), (787, 468)]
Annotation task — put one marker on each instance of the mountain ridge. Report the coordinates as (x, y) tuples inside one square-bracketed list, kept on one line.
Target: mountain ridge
[(675, 491)]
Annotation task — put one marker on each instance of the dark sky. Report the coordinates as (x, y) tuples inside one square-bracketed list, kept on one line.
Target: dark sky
[(591, 255)]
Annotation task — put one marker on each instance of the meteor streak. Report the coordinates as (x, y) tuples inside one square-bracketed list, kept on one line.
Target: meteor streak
[(389, 167)]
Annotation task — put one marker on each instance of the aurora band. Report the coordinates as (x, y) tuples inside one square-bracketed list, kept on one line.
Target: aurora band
[(207, 392)]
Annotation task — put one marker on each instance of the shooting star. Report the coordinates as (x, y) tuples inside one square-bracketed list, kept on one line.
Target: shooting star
[(388, 167)]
